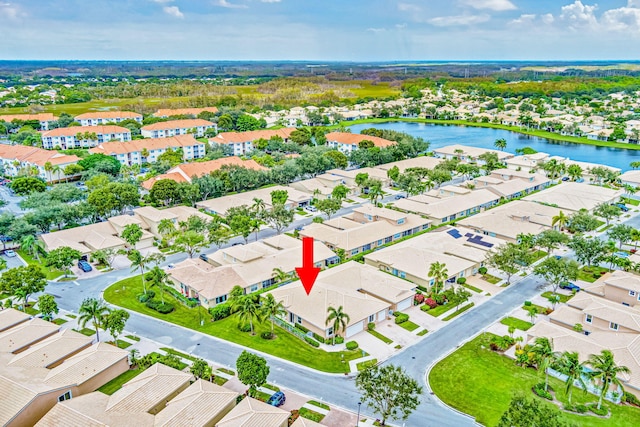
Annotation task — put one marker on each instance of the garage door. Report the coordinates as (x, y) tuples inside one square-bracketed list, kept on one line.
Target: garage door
[(354, 329), (403, 305)]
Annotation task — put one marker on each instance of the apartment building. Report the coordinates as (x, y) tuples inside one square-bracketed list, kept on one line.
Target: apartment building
[(19, 159), (241, 143), (196, 127), (83, 136), (348, 142), (168, 112), (99, 118), (141, 151), (44, 118)]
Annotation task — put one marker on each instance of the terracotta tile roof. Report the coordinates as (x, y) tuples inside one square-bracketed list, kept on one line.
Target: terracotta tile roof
[(250, 136), (356, 138), (117, 147), (109, 115), (148, 184), (43, 117), (74, 130), (36, 156), (166, 112), (177, 124)]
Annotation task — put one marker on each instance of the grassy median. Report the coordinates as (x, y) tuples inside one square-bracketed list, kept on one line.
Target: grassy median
[(285, 346)]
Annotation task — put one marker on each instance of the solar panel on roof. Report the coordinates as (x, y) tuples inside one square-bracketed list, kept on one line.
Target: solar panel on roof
[(454, 233), (468, 235)]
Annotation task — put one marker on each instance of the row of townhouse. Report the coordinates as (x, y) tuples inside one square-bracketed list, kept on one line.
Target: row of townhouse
[(22, 160), (141, 151), (83, 136), (197, 127), (45, 119), (106, 117)]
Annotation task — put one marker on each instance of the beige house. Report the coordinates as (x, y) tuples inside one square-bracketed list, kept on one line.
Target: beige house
[(349, 176), (621, 287), (220, 205), (251, 412), (211, 278), (366, 228), (365, 293), (467, 154), (507, 221), (416, 162), (527, 162), (106, 235), (321, 186), (573, 196), (461, 250), (631, 177), (449, 203), (41, 365)]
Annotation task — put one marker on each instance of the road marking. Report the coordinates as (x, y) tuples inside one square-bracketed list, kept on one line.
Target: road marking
[(76, 283)]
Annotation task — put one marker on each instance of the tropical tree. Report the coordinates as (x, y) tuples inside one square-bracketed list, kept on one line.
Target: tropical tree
[(605, 369), (544, 355), (132, 234), (139, 262), (157, 277), (166, 227), (556, 271), (104, 256), (32, 245), (252, 370), (247, 309), (93, 310), (438, 272), (340, 320), (620, 233), (272, 308), (190, 242), (570, 365), (115, 322), (575, 172), (500, 144), (201, 369), (280, 275), (63, 258), (561, 220), (607, 211), (48, 306)]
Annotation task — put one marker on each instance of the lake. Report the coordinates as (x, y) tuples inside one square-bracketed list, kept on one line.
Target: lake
[(442, 135)]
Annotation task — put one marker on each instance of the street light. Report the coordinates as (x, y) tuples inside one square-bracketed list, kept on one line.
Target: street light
[(358, 419)]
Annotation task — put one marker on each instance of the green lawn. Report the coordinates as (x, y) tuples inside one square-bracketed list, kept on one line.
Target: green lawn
[(537, 255), (286, 346), (540, 309), (51, 274), (381, 337), (523, 325), (563, 298), (122, 344), (472, 288), (311, 415), (226, 371), (439, 310), (116, 383), (479, 382), (86, 331), (366, 364), (459, 311), (59, 321), (409, 326), (633, 202), (178, 353), (422, 332), (319, 404), (133, 337), (586, 273), (491, 279)]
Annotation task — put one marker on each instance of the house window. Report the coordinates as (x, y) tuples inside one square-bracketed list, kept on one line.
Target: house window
[(330, 331), (220, 300), (372, 318), (65, 396), (589, 318), (401, 221), (403, 275), (254, 288), (380, 242), (397, 236), (632, 293), (299, 319), (613, 326), (354, 252)]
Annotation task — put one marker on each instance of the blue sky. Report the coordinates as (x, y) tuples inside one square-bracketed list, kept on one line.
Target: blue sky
[(358, 30)]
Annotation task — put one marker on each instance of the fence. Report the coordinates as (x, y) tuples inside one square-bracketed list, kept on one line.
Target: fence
[(289, 328)]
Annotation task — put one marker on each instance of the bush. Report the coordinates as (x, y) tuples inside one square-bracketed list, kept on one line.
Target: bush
[(158, 306), (418, 299), (482, 270), (539, 390), (311, 341), (352, 345), (425, 308), (630, 398), (267, 335), (581, 409), (146, 297), (302, 328), (527, 303), (339, 340), (403, 317), (244, 327), (423, 289), (371, 326), (439, 298), (461, 280), (602, 411), (220, 311), (318, 338), (569, 408), (431, 303)]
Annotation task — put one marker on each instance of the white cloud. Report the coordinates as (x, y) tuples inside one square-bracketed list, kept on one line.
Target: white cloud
[(408, 7), (162, 1), (173, 11), (497, 5), (225, 3), (401, 26), (270, 1), (10, 11), (376, 30), (622, 19), (579, 15), (524, 19), (547, 18), (633, 3), (458, 20)]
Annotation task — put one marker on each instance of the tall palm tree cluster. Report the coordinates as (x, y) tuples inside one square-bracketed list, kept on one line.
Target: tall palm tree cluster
[(252, 308), (602, 368)]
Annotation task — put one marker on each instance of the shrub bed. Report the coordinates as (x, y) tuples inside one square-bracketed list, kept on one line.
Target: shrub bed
[(603, 411), (539, 390), (146, 297), (160, 307), (401, 318), (352, 345), (220, 311), (339, 340), (267, 335), (311, 341), (431, 303)]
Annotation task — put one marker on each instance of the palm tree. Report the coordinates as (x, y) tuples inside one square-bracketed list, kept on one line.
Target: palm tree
[(630, 190), (139, 262), (158, 277), (635, 237), (32, 245), (604, 368), (571, 366), (248, 309), (438, 272), (500, 144), (545, 356), (280, 275), (340, 320), (272, 308), (166, 227), (561, 220), (574, 172), (48, 168), (3, 264), (94, 310), (57, 170)]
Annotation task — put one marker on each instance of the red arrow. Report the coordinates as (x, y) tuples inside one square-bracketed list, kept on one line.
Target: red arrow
[(307, 273)]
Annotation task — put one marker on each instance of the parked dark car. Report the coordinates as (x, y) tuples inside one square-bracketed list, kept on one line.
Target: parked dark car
[(84, 266), (570, 286), (399, 196), (622, 207), (276, 399), (565, 178), (204, 257)]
